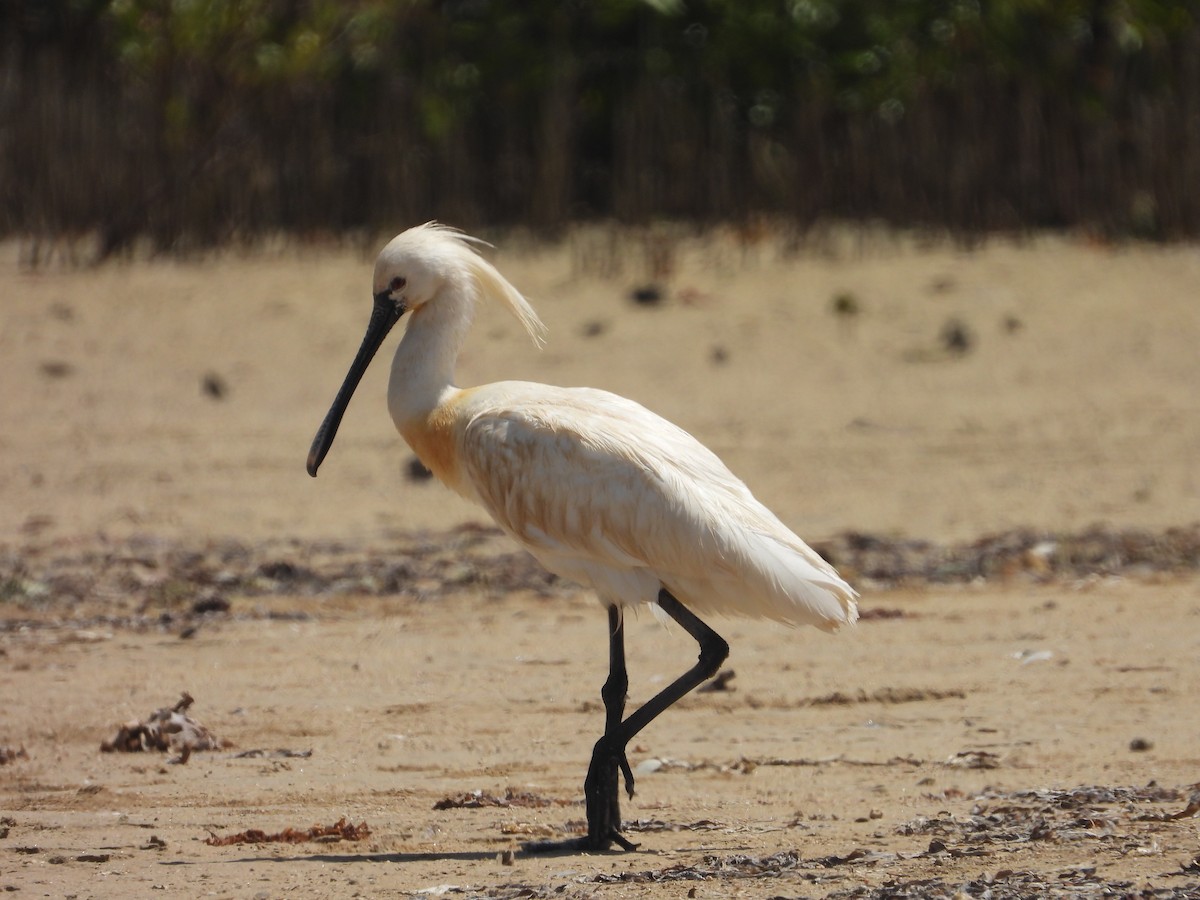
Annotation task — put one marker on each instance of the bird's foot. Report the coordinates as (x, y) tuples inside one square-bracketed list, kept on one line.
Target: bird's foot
[(584, 844), (603, 805), (610, 753), (627, 774), (602, 794)]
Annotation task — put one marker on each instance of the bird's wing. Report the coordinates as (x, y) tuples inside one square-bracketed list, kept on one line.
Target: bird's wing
[(589, 476)]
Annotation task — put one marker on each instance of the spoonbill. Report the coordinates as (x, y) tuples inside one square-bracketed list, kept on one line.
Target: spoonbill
[(598, 488)]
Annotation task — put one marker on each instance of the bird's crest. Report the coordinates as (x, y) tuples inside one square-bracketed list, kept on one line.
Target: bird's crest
[(491, 283)]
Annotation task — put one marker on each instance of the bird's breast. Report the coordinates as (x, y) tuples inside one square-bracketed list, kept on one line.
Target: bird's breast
[(432, 438)]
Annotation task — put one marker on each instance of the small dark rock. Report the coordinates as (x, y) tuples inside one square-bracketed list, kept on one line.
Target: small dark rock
[(56, 368), (1141, 745), (845, 304), (595, 328), (214, 386), (210, 604), (279, 570), (956, 337), (647, 295)]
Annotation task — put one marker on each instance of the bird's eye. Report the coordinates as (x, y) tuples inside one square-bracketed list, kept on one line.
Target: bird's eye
[(398, 283)]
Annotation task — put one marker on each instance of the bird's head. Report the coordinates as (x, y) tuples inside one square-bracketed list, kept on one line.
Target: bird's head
[(413, 271), (418, 263)]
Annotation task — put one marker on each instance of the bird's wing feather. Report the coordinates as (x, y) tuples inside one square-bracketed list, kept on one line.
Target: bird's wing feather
[(592, 481)]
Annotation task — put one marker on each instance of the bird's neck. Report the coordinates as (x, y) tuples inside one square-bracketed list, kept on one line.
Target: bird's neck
[(423, 368)]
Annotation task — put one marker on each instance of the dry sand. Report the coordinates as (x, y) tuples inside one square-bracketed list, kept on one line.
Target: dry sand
[(976, 736)]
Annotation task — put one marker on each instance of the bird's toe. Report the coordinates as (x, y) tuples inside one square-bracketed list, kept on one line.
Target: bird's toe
[(627, 774)]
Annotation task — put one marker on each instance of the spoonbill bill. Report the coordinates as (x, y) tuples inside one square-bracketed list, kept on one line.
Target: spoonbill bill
[(598, 488)]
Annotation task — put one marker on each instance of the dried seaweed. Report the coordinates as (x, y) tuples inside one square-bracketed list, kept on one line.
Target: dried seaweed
[(1019, 553), (160, 583), (1089, 812), (165, 729), (278, 753), (342, 830), (746, 765), (974, 759), (739, 865), (645, 826), (1074, 883), (511, 799), (888, 695)]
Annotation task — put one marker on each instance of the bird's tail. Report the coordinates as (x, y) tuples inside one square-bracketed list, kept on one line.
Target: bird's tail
[(766, 578), (801, 588)]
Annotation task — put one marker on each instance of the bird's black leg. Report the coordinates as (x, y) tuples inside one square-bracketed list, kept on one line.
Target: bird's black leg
[(601, 787), (713, 651), (616, 688)]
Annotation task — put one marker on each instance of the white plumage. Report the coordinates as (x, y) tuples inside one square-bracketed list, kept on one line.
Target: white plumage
[(598, 488), (606, 493)]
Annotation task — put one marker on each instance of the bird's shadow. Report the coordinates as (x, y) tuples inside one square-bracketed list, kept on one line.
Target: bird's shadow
[(463, 856), (460, 856)]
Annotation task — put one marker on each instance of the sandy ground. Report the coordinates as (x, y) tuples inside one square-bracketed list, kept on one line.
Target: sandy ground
[(1084, 409), (1020, 738)]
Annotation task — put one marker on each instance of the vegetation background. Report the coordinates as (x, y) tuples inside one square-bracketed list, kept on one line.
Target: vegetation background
[(197, 122)]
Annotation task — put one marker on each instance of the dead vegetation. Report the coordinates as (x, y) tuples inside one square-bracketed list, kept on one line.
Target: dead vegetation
[(1021, 553), (885, 695), (1121, 819), (165, 729), (146, 583), (341, 830), (12, 754), (511, 798), (1087, 812)]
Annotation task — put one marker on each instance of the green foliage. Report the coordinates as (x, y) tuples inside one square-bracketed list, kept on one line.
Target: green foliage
[(862, 56), (633, 107)]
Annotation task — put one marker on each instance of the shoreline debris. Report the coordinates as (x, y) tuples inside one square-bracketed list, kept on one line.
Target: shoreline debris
[(168, 728)]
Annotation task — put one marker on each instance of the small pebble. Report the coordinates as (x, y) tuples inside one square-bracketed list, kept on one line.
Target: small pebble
[(646, 295), (417, 470), (56, 368), (214, 386), (845, 304), (956, 337)]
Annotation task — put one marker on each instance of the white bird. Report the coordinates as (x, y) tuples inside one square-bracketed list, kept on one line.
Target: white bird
[(598, 488)]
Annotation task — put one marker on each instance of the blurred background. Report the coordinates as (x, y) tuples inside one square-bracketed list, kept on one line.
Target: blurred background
[(921, 267), (198, 122)]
